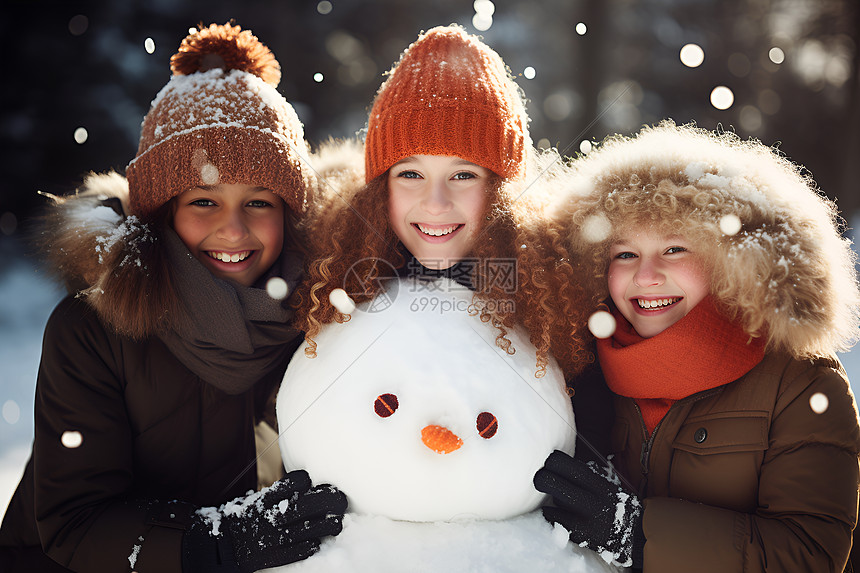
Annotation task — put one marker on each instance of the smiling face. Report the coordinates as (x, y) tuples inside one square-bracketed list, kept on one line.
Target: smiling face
[(655, 280), (435, 204), (236, 231)]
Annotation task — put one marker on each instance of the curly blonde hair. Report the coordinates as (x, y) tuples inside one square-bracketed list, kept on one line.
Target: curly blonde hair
[(772, 241)]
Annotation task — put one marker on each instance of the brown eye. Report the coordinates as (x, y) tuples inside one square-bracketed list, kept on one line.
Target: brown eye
[(487, 425), (385, 405)]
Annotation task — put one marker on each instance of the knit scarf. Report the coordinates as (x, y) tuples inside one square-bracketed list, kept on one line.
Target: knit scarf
[(701, 351), (233, 335)]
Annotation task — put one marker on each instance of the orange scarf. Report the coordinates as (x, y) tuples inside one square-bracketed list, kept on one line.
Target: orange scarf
[(701, 351)]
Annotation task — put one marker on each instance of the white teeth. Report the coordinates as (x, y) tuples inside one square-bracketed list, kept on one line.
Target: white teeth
[(228, 258), (437, 232), (656, 303)]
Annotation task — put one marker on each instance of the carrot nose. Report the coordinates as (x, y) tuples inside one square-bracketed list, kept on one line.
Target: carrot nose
[(441, 440)]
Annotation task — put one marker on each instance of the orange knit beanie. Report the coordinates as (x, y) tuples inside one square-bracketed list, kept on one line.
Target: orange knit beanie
[(220, 119), (449, 94)]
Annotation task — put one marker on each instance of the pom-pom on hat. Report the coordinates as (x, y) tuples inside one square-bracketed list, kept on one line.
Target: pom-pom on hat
[(449, 94), (220, 119)]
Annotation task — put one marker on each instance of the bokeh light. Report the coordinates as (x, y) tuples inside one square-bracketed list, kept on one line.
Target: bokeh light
[(81, 135), (484, 7), (730, 224), (750, 118), (482, 23), (78, 25), (596, 228), (529, 73), (601, 324), (581, 28), (819, 403), (692, 55), (776, 55), (558, 106), (324, 7), (769, 102), (483, 18), (722, 97), (318, 77), (341, 301), (11, 412), (72, 439), (585, 146), (277, 288), (149, 45)]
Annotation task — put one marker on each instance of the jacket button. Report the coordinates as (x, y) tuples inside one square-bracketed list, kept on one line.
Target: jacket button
[(701, 435)]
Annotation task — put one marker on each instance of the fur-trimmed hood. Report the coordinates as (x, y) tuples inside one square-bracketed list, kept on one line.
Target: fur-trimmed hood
[(773, 242), (79, 230), (111, 258)]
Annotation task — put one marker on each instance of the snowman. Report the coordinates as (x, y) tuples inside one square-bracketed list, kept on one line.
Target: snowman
[(434, 434)]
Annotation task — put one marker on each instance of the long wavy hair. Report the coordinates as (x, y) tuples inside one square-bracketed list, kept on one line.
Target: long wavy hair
[(353, 243)]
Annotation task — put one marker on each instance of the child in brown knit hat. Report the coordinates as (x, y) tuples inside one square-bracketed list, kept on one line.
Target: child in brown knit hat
[(445, 190), (158, 366)]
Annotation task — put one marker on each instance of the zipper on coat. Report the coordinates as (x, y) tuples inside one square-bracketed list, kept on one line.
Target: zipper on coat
[(645, 454)]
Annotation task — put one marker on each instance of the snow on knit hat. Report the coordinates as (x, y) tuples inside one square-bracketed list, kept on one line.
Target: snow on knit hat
[(449, 94), (220, 120)]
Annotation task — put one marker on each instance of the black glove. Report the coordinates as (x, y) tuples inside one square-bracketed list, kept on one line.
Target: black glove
[(277, 525), (591, 504)]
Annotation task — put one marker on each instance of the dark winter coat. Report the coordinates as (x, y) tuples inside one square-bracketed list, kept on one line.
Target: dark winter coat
[(151, 432), (747, 477)]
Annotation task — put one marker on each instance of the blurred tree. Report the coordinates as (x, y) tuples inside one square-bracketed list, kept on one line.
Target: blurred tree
[(588, 69)]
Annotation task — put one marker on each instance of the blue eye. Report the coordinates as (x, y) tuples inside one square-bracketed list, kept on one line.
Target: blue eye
[(625, 255), (203, 202), (673, 250), (464, 175), (259, 203), (408, 174)]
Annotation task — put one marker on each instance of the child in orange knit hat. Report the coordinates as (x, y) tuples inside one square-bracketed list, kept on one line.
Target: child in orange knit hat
[(732, 289), (446, 155)]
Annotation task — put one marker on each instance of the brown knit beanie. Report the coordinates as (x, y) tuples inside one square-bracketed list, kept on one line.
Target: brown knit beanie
[(449, 94), (220, 119)]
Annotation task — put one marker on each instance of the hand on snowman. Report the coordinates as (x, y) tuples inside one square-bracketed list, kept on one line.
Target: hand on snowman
[(591, 504), (275, 526)]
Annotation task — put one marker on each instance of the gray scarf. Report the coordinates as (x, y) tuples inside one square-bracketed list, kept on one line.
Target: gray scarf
[(232, 335)]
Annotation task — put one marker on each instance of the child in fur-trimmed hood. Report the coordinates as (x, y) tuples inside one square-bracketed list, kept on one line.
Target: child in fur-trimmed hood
[(736, 432)]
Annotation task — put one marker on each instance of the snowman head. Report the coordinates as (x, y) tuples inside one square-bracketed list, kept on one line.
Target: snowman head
[(416, 414)]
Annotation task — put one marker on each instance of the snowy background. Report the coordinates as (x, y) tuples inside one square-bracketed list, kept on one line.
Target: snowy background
[(84, 72)]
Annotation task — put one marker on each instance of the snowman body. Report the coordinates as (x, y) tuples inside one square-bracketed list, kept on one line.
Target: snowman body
[(416, 414), (434, 434)]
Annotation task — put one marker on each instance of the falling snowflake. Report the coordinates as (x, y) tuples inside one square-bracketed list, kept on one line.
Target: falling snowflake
[(601, 324)]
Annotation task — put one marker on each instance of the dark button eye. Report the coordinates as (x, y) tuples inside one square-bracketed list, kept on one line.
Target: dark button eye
[(487, 425), (701, 435), (386, 405)]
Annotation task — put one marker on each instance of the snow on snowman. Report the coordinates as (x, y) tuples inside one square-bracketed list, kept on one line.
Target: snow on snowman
[(434, 433)]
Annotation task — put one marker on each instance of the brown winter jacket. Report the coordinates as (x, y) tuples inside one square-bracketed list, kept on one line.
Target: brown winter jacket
[(747, 477), (151, 431)]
